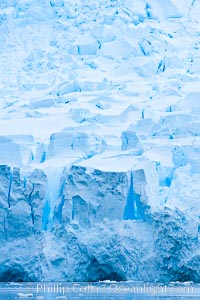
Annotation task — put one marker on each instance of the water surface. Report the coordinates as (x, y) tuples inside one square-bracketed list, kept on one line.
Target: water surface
[(104, 290)]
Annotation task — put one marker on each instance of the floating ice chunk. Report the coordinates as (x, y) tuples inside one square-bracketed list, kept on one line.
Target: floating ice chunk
[(25, 295)]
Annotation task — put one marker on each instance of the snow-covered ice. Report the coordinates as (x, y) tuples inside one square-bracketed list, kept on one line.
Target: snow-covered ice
[(99, 140)]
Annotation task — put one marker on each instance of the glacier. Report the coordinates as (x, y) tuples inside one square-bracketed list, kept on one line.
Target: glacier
[(99, 140)]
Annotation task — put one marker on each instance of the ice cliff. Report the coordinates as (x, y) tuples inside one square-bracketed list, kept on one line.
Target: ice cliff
[(99, 140)]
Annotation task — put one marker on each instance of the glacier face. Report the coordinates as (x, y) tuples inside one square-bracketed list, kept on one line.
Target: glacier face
[(99, 229), (99, 140)]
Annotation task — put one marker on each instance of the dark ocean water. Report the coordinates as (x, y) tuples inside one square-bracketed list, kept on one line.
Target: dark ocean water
[(104, 290)]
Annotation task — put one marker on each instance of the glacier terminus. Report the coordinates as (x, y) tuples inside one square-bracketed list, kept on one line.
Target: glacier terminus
[(99, 140)]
